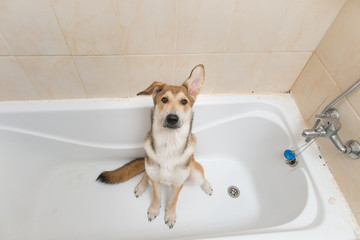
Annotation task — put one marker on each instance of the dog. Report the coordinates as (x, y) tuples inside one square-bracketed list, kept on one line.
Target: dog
[(169, 146)]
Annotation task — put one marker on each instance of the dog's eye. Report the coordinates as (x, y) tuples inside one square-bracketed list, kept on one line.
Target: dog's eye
[(184, 102), (164, 100)]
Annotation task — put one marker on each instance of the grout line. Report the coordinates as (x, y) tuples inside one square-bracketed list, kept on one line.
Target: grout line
[(123, 49), (226, 48), (80, 78), (219, 74), (6, 44), (28, 77), (331, 79), (328, 97), (338, 87), (325, 68), (128, 77), (175, 42), (119, 26), (330, 25), (68, 48), (161, 54), (231, 28), (62, 32), (286, 15), (301, 72)]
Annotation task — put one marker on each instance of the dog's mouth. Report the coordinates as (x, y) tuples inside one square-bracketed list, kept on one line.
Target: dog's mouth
[(172, 121), (171, 126)]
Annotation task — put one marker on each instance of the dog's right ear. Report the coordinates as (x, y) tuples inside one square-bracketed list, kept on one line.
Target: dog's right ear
[(153, 89)]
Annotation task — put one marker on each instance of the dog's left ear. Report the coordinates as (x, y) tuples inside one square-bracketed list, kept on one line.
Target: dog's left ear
[(195, 81), (153, 89)]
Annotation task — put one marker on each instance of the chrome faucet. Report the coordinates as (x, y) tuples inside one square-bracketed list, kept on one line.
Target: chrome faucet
[(327, 125)]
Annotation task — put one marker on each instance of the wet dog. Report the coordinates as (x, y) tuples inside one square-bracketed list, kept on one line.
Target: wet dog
[(169, 146)]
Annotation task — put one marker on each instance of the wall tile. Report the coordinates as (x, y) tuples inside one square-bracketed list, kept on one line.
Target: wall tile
[(148, 27), (260, 72), (54, 77), (240, 72), (211, 62), (89, 26), (104, 76), (203, 26), (341, 46), (144, 70), (281, 71), (305, 24), (330, 97), (313, 87), (346, 173), (350, 121), (4, 49), (340, 50), (14, 84), (354, 99), (30, 28), (256, 24)]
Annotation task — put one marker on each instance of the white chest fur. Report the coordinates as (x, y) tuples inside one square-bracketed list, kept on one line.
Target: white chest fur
[(169, 151)]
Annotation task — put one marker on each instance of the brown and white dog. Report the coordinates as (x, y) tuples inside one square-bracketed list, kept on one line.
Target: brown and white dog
[(169, 146)]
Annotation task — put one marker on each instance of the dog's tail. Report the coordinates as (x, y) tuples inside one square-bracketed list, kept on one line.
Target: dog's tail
[(123, 173)]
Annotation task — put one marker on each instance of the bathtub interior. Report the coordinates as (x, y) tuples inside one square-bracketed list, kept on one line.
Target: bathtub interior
[(52, 155)]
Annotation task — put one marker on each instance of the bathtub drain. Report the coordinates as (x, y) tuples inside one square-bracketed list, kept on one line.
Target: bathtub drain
[(233, 192)]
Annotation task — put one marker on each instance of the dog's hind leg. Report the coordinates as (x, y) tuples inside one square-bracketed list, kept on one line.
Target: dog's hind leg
[(153, 210), (199, 170), (141, 186)]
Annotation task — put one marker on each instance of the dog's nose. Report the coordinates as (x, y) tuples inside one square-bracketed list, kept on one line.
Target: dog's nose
[(172, 119)]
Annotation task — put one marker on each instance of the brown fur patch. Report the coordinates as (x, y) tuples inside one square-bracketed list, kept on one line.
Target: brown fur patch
[(190, 139), (149, 136), (123, 173), (197, 166), (174, 197), (150, 161), (187, 163), (174, 90)]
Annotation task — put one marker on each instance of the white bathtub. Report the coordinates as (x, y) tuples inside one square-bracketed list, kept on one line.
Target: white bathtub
[(52, 152)]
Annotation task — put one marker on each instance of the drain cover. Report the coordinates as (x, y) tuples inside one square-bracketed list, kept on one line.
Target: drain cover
[(233, 192)]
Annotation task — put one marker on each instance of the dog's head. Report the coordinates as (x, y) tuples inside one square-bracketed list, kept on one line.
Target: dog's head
[(173, 104)]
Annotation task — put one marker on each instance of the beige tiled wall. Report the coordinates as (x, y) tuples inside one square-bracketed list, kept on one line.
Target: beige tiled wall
[(333, 67), (56, 49)]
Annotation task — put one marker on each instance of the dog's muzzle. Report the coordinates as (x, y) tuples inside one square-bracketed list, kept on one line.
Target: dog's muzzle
[(171, 121)]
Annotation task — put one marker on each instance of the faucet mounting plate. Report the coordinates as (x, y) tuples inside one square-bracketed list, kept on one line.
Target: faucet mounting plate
[(355, 148)]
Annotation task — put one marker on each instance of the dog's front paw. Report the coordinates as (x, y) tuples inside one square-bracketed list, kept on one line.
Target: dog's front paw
[(206, 187), (153, 212), (170, 218)]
